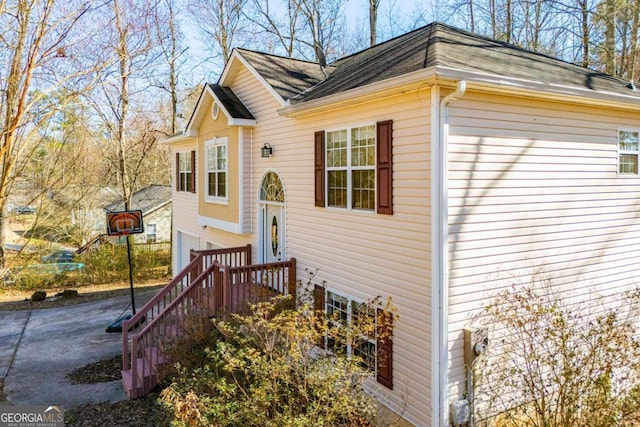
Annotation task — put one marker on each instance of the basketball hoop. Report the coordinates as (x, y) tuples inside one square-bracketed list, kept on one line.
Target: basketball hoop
[(124, 223)]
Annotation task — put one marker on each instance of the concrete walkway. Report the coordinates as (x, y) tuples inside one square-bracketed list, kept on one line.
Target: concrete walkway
[(38, 348)]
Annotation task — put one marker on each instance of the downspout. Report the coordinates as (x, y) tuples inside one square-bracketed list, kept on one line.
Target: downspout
[(440, 250)]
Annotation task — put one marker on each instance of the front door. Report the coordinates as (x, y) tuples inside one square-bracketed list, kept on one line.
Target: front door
[(273, 232)]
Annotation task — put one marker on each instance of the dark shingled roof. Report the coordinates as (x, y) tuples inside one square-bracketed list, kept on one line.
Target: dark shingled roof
[(145, 200), (287, 76), (441, 45), (231, 103)]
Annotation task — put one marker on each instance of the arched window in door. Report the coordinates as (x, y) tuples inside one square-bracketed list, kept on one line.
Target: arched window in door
[(271, 189)]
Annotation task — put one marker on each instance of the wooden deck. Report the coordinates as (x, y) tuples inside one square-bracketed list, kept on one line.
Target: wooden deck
[(216, 282)]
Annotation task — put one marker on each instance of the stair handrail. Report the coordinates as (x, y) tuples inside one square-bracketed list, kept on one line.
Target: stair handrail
[(177, 300), (137, 337), (148, 307)]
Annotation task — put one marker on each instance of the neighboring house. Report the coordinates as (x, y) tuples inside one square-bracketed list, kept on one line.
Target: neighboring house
[(435, 168), (155, 203), (87, 212)]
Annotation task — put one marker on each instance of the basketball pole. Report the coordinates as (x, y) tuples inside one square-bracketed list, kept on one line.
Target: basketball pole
[(133, 301)]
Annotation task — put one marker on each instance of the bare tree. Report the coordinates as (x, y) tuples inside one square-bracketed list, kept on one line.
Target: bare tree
[(38, 56), (282, 28), (170, 40), (220, 22), (373, 20), (125, 90), (633, 48), (609, 18), (322, 18)]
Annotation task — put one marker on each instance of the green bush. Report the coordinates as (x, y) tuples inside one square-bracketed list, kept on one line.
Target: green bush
[(109, 263), (264, 369)]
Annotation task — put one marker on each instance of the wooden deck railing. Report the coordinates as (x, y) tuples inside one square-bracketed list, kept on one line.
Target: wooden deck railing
[(213, 288)]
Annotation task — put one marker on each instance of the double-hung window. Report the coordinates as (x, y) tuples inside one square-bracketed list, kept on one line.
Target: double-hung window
[(362, 318), (150, 229), (628, 151), (217, 172), (353, 168), (374, 328), (185, 171)]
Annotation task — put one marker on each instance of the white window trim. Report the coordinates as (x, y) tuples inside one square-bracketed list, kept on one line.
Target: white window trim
[(181, 172), (215, 142), (349, 168), (350, 301), (622, 152), (154, 234)]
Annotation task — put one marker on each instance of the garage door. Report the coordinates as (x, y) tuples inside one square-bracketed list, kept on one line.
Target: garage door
[(186, 243)]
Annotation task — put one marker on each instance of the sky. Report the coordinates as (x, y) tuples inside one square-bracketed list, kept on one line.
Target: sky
[(356, 12)]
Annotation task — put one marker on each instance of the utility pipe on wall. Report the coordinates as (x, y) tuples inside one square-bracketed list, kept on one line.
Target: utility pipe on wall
[(440, 248)]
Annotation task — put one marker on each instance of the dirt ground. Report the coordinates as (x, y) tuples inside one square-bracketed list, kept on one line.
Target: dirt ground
[(11, 300)]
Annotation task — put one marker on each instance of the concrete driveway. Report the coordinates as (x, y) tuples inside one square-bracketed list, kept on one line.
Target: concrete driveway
[(38, 348)]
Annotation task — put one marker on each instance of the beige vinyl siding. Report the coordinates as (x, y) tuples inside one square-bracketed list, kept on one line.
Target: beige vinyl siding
[(361, 254), (185, 206), (534, 194)]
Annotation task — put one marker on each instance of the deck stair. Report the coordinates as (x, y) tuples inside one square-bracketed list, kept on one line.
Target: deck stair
[(214, 282)]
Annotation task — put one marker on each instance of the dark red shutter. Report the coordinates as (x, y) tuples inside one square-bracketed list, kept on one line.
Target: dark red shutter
[(384, 165), (193, 171), (384, 348), (319, 308), (319, 177), (177, 171)]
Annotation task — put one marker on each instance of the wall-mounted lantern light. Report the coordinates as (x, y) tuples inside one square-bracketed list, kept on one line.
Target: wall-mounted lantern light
[(267, 150)]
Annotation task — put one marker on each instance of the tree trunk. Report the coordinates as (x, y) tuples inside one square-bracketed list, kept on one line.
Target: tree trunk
[(373, 21), (585, 32), (610, 37), (508, 22), (633, 47)]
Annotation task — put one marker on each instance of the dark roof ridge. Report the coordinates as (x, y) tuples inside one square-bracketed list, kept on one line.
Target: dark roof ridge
[(389, 41), (290, 58)]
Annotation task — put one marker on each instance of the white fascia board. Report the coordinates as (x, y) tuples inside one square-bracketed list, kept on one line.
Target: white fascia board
[(242, 122), (406, 82), (181, 137), (475, 80), (230, 227), (511, 85), (237, 56)]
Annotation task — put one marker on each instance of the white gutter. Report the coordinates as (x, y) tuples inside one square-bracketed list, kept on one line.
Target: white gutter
[(440, 251)]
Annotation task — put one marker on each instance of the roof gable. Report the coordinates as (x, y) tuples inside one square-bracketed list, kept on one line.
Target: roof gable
[(283, 77), (233, 109)]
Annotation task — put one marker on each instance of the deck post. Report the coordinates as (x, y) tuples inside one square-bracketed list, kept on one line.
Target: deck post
[(125, 345), (292, 278)]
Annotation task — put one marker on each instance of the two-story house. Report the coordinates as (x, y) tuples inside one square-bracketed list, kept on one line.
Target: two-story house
[(435, 168)]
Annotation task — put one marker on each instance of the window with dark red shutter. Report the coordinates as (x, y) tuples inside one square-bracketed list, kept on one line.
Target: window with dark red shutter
[(353, 168)]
